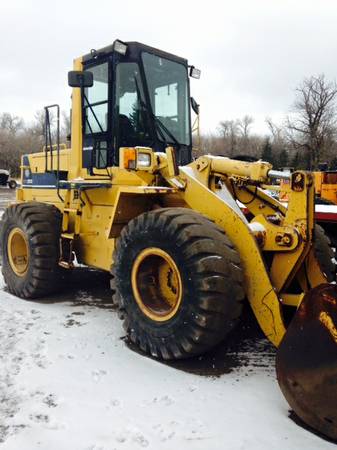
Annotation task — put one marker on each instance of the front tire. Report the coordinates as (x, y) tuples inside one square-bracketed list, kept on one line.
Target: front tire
[(29, 240), (177, 282)]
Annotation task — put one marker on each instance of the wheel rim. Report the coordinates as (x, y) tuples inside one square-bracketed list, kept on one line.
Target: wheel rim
[(18, 251), (156, 284)]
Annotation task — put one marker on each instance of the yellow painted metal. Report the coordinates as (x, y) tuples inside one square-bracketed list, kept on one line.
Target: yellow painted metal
[(37, 161), (257, 201), (172, 166), (156, 284), (291, 299), (299, 214), (18, 251), (128, 193), (276, 237), (75, 166), (106, 212), (256, 171), (318, 176)]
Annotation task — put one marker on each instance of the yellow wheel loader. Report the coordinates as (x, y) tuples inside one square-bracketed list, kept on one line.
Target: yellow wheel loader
[(186, 241)]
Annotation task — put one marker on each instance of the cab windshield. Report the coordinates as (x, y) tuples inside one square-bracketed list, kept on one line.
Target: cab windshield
[(168, 90)]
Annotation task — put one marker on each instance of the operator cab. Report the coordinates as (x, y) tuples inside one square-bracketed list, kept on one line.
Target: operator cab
[(136, 96)]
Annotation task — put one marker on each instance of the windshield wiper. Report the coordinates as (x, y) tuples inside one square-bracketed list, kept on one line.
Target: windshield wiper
[(93, 113), (160, 127)]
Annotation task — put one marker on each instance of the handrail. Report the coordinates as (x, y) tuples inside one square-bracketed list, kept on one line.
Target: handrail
[(49, 144)]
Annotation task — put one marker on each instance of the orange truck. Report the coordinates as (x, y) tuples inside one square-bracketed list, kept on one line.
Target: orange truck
[(326, 186)]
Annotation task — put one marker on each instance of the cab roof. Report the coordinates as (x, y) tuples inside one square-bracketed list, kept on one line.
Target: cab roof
[(133, 51)]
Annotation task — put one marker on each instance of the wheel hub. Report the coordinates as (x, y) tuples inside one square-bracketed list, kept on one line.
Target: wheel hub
[(156, 284), (18, 251)]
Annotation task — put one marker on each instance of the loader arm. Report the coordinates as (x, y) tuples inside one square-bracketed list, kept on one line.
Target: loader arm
[(211, 186)]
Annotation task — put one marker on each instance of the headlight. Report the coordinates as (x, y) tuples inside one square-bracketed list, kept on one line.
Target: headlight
[(143, 159)]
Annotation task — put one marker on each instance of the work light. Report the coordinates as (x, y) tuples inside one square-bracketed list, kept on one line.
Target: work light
[(120, 47), (194, 72)]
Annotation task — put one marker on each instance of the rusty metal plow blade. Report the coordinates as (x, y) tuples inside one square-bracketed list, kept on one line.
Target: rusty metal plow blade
[(306, 361)]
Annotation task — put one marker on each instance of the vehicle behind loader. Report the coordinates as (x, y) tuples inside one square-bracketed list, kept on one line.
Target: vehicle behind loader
[(128, 198), (6, 180)]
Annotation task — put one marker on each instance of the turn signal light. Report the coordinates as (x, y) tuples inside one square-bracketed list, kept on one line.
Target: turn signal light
[(137, 158), (128, 157)]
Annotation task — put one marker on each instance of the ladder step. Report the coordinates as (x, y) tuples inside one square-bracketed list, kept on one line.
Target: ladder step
[(66, 264), (74, 210), (70, 236)]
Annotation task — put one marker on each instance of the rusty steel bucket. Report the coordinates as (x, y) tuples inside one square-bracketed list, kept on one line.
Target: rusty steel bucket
[(306, 361)]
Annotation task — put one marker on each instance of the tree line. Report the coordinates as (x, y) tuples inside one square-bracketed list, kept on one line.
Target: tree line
[(306, 138), (18, 138)]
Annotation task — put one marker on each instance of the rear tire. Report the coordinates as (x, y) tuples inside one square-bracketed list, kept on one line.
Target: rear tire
[(324, 253), (29, 240), (176, 250)]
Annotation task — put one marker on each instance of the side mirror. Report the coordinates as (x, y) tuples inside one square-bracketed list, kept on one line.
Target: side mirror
[(194, 106), (80, 79)]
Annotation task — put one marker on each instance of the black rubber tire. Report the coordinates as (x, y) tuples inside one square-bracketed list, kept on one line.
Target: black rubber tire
[(211, 275), (12, 184), (324, 253), (41, 224)]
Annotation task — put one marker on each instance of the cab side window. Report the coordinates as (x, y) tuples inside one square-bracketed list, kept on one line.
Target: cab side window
[(96, 101)]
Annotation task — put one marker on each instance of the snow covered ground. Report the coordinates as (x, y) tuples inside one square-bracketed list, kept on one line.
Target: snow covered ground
[(68, 380)]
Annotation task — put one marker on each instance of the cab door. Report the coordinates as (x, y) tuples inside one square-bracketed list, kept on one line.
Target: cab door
[(97, 126)]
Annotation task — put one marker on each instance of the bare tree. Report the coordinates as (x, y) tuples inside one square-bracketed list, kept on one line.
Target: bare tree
[(11, 129), (312, 127), (10, 123), (244, 125), (210, 143), (237, 138), (276, 131), (229, 131), (16, 139)]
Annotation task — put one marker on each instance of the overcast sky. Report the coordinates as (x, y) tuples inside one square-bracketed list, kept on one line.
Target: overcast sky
[(252, 53)]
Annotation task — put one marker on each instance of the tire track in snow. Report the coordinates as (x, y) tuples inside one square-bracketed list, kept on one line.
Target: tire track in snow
[(12, 330)]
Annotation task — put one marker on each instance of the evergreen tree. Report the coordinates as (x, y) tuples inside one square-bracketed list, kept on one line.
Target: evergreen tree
[(267, 152), (333, 164), (283, 159), (296, 163)]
